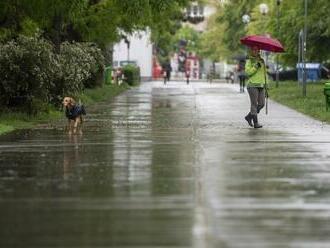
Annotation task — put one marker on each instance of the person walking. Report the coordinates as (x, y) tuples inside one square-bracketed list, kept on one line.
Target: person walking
[(241, 75), (164, 75), (255, 70), (168, 69), (167, 72), (187, 76)]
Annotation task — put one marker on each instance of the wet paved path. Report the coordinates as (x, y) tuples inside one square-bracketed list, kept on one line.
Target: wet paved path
[(169, 166)]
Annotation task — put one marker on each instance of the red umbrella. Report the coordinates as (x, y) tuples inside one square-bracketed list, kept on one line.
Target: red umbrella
[(263, 43)]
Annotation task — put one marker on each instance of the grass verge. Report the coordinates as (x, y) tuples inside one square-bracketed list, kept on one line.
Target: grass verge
[(289, 93), (90, 96), (10, 121)]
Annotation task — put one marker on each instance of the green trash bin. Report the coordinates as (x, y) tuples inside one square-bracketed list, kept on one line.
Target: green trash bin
[(326, 92), (108, 75)]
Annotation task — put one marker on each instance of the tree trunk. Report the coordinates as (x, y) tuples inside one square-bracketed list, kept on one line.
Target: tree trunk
[(57, 30), (108, 55)]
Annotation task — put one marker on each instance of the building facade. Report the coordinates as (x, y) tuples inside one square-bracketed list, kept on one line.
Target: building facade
[(135, 49)]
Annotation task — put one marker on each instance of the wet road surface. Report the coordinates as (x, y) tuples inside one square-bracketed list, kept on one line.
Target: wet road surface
[(169, 166)]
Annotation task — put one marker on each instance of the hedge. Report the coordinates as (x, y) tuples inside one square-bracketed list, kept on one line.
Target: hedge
[(27, 68), (131, 74), (32, 75)]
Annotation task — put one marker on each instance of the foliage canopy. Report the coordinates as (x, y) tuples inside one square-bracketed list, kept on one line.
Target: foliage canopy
[(226, 28)]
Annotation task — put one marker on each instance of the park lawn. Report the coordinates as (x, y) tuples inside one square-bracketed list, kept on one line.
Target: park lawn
[(10, 121), (289, 93)]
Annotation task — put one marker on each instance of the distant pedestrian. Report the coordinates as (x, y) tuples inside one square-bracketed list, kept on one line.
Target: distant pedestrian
[(187, 76), (119, 76), (211, 74), (241, 75), (167, 69), (230, 77), (164, 76), (256, 71)]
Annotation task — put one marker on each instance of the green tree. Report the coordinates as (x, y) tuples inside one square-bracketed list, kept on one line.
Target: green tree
[(100, 21), (211, 43), (191, 36), (291, 21), (165, 22), (231, 19), (318, 35), (13, 19), (55, 17), (51, 17)]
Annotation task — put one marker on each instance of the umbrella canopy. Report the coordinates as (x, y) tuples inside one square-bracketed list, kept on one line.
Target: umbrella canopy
[(263, 43)]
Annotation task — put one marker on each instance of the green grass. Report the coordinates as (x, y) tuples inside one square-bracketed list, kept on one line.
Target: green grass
[(106, 92), (10, 121), (289, 93), (5, 128)]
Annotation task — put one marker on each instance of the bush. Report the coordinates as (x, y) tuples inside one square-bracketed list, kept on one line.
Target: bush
[(80, 65), (97, 65), (26, 69), (32, 75), (131, 74), (73, 68)]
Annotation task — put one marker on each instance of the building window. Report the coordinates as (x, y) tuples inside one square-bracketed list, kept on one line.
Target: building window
[(195, 10), (195, 13), (201, 10), (188, 10)]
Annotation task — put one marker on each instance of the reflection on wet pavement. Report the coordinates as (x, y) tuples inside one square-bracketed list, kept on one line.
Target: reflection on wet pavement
[(169, 166)]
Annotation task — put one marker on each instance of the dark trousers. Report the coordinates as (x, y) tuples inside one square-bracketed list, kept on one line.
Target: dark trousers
[(257, 99), (241, 83)]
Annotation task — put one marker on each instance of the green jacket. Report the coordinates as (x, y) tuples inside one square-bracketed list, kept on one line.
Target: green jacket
[(256, 74)]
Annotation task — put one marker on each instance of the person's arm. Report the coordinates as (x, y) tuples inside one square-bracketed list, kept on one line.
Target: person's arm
[(251, 68)]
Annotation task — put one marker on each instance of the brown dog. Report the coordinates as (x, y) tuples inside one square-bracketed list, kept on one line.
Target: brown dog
[(74, 113)]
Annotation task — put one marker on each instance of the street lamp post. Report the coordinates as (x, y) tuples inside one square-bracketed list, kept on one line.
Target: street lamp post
[(263, 8), (304, 50), (128, 43), (278, 3)]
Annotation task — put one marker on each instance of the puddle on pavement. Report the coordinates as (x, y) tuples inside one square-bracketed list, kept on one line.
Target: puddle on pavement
[(164, 167)]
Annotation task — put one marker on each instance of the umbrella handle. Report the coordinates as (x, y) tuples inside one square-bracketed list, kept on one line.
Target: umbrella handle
[(266, 89), (267, 105)]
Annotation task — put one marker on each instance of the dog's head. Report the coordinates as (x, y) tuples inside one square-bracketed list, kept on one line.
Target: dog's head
[(68, 102)]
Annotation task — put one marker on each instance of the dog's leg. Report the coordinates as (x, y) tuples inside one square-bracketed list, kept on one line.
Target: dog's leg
[(71, 126), (81, 125), (76, 125), (67, 127)]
